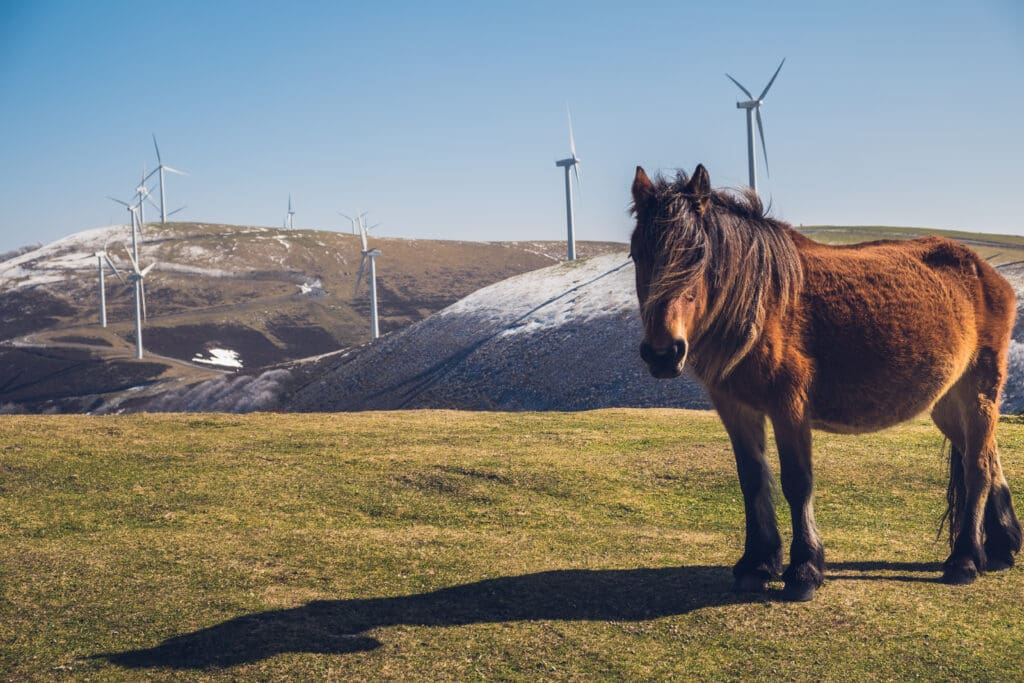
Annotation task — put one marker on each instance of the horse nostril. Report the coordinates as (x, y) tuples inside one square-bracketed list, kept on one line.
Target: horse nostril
[(674, 353), (679, 351)]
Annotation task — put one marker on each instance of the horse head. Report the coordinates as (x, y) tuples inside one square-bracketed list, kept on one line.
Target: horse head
[(669, 267)]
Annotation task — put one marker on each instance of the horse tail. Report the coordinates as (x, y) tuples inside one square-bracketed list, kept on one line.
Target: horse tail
[(956, 495)]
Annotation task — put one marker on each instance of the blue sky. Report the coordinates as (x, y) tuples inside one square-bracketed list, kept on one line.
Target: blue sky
[(443, 120)]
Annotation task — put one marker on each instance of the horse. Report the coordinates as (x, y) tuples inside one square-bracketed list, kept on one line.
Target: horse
[(845, 339)]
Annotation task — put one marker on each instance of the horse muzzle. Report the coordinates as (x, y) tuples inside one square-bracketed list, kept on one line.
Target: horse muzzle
[(664, 363)]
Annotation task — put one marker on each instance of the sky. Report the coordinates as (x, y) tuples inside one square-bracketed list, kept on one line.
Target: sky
[(444, 120)]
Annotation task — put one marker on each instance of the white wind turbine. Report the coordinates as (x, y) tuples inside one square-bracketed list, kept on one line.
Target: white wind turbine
[(753, 108), (101, 258), (288, 219), (369, 255), (163, 168), (137, 278), (572, 162)]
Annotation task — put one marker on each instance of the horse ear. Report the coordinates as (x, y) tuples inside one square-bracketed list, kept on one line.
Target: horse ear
[(700, 182), (700, 187), (643, 188)]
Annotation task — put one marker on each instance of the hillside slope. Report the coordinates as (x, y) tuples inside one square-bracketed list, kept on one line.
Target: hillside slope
[(265, 295), (562, 338)]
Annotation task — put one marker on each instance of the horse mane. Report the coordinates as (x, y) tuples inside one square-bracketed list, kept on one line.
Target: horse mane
[(747, 261)]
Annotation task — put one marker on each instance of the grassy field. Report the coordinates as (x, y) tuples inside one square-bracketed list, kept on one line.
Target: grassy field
[(441, 545)]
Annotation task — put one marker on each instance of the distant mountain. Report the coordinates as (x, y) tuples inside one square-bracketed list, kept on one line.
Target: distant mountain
[(560, 338), (219, 297)]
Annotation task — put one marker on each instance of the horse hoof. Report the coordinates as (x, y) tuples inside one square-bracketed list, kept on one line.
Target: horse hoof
[(960, 575), (798, 592), (750, 584), (998, 564)]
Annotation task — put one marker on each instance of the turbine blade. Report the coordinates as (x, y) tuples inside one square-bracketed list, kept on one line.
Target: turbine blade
[(579, 183), (174, 170), (180, 208), (767, 87), (145, 271), (359, 278), (152, 203), (135, 266), (158, 161), (142, 298), (114, 268), (745, 91), (125, 204), (764, 149), (151, 174), (572, 138), (362, 235)]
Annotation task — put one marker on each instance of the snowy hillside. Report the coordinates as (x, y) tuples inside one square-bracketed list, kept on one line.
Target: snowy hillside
[(561, 338), (221, 298)]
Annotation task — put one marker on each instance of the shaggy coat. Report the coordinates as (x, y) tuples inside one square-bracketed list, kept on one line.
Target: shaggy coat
[(847, 339)]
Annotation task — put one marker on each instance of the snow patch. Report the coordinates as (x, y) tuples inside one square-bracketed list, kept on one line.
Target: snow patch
[(223, 357), (314, 288)]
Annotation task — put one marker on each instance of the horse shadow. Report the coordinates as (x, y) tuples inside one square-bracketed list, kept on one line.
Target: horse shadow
[(341, 626)]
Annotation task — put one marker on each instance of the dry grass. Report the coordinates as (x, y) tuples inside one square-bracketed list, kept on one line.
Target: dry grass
[(453, 546)]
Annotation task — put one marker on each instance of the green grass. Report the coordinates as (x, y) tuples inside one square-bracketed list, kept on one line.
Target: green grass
[(446, 545)]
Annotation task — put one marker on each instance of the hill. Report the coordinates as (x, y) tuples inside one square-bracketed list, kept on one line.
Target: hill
[(439, 546), (561, 338), (266, 295)]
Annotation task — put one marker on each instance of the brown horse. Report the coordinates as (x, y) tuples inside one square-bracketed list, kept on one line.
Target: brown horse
[(846, 339)]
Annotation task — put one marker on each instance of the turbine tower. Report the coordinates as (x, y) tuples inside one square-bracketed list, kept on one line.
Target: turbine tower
[(101, 258), (572, 162), (753, 107), (288, 221), (369, 255), (163, 168), (137, 278)]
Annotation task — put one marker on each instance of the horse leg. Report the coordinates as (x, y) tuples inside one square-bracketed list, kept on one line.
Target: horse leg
[(978, 485), (1002, 529), (1001, 526), (762, 553), (806, 571)]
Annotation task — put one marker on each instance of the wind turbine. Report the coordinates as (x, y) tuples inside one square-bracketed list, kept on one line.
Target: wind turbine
[(358, 220), (571, 162), (369, 255), (137, 278), (161, 169), (101, 257), (288, 221), (753, 107)]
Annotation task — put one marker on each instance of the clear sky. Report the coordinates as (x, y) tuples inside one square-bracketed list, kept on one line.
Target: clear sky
[(444, 120)]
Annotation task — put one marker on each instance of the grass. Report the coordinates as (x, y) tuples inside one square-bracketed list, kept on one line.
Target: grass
[(455, 546)]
